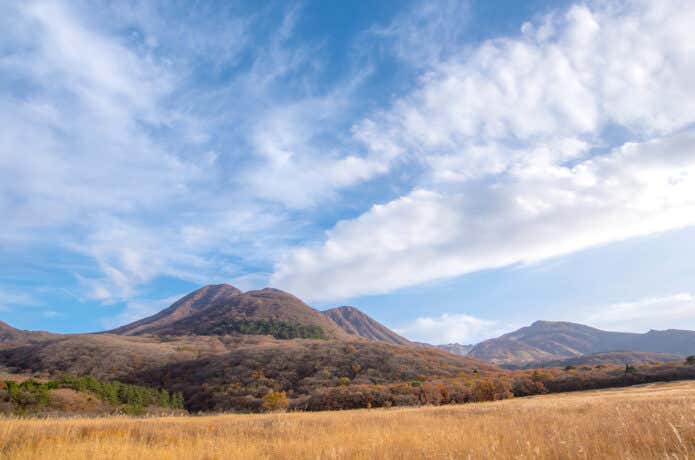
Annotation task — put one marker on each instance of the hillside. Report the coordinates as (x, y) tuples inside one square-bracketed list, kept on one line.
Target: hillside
[(618, 358), (106, 356), (307, 370), (10, 336), (355, 322), (550, 341)]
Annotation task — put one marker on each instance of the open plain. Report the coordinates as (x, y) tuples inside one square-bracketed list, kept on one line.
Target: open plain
[(647, 421)]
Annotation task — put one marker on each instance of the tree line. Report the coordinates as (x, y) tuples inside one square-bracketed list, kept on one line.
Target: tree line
[(134, 397)]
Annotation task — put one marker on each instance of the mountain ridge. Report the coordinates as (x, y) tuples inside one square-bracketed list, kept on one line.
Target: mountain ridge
[(545, 341)]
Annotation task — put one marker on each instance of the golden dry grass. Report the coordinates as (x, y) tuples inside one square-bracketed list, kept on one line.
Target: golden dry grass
[(651, 421)]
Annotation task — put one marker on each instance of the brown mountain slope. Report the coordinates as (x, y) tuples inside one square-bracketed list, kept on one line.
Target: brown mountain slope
[(10, 335), (105, 356), (355, 322), (548, 341), (186, 306), (266, 311), (238, 379), (235, 372), (619, 358)]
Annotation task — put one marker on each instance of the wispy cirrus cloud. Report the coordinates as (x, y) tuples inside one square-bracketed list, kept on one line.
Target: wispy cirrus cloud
[(120, 150)]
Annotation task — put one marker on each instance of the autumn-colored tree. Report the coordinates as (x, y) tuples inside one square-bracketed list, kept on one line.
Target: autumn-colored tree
[(484, 390), (526, 386), (275, 401)]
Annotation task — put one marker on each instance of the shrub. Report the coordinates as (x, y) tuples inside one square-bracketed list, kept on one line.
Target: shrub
[(278, 329), (275, 401)]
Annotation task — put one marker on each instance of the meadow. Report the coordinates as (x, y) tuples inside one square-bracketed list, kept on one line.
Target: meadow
[(648, 421)]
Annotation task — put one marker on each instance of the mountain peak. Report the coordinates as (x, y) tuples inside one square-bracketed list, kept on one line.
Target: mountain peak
[(186, 306), (223, 309), (355, 322)]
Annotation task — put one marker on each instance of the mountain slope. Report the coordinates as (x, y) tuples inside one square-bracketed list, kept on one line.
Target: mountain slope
[(238, 379), (619, 358), (548, 340), (355, 322), (188, 305), (10, 335)]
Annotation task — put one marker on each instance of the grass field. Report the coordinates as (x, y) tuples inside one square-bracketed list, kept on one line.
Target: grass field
[(651, 421)]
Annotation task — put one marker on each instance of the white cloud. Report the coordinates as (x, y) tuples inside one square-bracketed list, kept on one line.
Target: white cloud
[(450, 328), (517, 137), (112, 149), (532, 214), (565, 79), (676, 311)]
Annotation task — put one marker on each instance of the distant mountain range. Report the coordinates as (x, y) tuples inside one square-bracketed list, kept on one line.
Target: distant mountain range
[(548, 341)]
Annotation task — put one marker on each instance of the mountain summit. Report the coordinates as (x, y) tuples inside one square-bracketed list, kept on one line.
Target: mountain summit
[(355, 322), (188, 305), (223, 309)]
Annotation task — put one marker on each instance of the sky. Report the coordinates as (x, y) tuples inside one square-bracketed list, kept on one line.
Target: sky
[(455, 169)]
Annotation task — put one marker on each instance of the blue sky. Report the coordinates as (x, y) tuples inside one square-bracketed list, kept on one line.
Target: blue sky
[(455, 169)]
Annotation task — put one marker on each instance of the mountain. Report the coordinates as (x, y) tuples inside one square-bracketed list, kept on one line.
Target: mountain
[(545, 341), (619, 358), (226, 349), (188, 305), (355, 322), (456, 348), (223, 309)]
